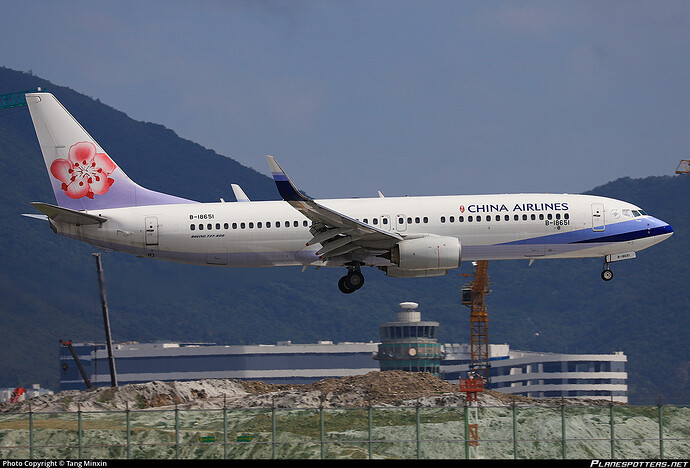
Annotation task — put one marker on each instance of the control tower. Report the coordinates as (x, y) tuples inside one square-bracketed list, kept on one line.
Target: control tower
[(409, 344)]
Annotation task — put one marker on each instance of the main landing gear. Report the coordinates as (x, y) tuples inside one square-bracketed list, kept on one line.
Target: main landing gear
[(352, 281), (607, 274)]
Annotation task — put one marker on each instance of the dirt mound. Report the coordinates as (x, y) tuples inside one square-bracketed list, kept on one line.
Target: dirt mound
[(389, 388)]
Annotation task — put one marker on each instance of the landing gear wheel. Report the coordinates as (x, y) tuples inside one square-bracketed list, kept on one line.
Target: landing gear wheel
[(344, 286), (356, 279), (351, 282), (607, 275)]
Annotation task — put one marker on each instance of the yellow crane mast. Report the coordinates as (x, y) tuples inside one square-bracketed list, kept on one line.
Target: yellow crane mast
[(473, 295)]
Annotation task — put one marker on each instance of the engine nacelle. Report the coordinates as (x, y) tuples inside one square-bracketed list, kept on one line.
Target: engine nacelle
[(395, 272), (427, 253)]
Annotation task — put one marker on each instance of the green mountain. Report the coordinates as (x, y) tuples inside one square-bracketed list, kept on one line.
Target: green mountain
[(49, 289)]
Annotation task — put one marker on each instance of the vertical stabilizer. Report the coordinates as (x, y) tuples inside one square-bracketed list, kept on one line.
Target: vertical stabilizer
[(82, 174)]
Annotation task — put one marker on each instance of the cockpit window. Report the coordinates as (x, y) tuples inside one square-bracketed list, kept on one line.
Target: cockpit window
[(643, 213), (627, 213), (636, 213)]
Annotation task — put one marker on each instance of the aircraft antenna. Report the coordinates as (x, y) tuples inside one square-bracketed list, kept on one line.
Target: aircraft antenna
[(473, 295)]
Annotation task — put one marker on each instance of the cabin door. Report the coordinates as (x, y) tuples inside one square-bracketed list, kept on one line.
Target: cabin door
[(598, 221), (151, 225)]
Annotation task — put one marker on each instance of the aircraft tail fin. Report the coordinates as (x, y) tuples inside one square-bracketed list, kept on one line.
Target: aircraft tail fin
[(82, 174)]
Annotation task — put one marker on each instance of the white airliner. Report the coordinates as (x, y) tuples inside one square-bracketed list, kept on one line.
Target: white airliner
[(403, 236)]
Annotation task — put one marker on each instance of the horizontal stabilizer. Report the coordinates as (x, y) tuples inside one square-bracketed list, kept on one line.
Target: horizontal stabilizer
[(66, 215)]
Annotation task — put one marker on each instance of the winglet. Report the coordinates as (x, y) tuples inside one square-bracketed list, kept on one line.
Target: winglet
[(239, 193), (285, 186)]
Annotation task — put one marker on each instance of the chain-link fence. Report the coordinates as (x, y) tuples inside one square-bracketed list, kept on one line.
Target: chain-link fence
[(520, 432)]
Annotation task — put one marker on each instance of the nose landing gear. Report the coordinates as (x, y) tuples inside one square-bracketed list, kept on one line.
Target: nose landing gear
[(607, 274), (352, 281)]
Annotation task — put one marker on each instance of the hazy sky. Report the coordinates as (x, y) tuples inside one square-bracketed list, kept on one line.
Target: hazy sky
[(407, 97)]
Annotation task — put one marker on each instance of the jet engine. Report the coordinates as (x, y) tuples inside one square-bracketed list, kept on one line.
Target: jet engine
[(416, 257)]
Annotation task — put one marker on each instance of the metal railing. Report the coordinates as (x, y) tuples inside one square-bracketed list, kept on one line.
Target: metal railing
[(515, 432)]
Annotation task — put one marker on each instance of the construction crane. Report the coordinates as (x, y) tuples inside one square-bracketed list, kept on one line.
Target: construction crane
[(473, 297), (10, 100), (683, 167)]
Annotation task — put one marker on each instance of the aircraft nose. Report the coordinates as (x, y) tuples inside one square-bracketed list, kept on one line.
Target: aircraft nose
[(662, 231)]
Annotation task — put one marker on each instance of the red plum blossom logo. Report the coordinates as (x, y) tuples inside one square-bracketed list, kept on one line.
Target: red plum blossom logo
[(85, 172)]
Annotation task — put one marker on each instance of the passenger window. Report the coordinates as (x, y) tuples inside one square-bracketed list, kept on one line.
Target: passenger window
[(268, 224), (416, 220), (209, 226), (469, 219), (295, 223), (305, 223), (366, 221), (376, 221), (452, 219), (218, 226), (201, 227), (409, 220), (506, 218), (541, 216), (192, 227), (461, 219), (226, 226), (242, 225), (533, 216), (516, 217), (566, 216), (277, 224), (426, 220), (234, 225), (524, 217), (549, 216), (287, 223), (558, 216), (479, 218), (384, 220), (443, 219)]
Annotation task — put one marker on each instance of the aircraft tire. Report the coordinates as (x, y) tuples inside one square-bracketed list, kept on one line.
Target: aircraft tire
[(344, 286), (607, 275)]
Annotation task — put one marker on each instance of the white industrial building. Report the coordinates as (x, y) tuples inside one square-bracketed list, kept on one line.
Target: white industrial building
[(514, 372)]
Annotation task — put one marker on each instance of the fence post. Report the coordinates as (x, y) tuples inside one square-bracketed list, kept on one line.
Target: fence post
[(225, 427), (613, 432), (467, 431), (515, 444), (562, 429), (322, 428), (661, 430), (177, 432), (79, 432), (129, 428), (419, 438), (31, 433), (371, 423), (273, 429)]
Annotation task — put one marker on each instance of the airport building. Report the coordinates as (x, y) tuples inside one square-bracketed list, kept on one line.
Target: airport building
[(409, 343)]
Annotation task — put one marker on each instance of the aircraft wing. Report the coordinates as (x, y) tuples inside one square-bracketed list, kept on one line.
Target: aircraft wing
[(66, 215), (338, 233)]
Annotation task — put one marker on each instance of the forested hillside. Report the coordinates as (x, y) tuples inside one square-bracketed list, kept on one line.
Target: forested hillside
[(49, 290)]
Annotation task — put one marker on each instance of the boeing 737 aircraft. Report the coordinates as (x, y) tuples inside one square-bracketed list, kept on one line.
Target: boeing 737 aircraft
[(404, 236)]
